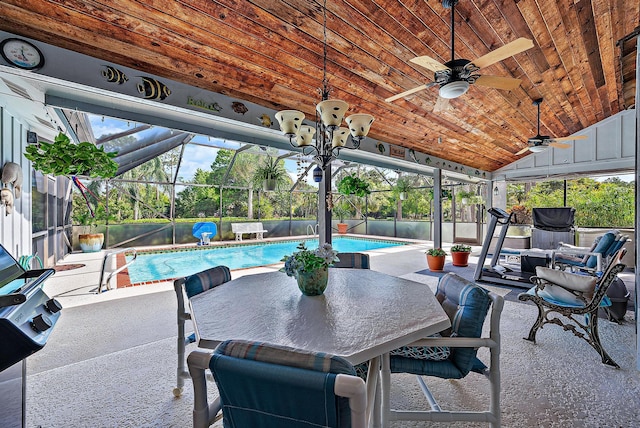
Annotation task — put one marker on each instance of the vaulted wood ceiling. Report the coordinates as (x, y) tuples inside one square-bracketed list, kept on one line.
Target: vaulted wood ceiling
[(270, 52)]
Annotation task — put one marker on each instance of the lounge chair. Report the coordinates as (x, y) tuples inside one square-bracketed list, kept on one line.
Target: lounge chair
[(593, 260)]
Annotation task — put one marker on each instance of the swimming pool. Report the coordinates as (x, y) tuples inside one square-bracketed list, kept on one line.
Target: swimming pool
[(170, 264)]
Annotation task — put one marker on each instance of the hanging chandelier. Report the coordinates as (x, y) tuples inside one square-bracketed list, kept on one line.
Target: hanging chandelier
[(330, 136)]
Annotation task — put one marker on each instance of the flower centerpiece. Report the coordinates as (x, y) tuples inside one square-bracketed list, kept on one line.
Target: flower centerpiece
[(310, 267), (435, 259), (460, 255)]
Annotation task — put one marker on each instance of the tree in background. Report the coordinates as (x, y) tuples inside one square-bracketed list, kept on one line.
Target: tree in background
[(598, 204)]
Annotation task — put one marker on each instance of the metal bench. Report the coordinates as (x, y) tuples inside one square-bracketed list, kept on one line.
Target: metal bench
[(241, 228)]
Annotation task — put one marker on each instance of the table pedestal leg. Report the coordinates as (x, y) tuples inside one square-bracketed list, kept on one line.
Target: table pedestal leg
[(373, 393), (385, 380)]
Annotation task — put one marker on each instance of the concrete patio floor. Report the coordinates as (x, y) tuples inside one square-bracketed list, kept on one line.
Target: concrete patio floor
[(110, 361)]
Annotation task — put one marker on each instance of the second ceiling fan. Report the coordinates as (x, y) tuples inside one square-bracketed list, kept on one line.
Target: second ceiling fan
[(541, 142), (455, 76)]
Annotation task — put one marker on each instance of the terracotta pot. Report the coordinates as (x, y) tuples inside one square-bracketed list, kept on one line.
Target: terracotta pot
[(91, 242), (436, 263), (460, 258), (342, 228)]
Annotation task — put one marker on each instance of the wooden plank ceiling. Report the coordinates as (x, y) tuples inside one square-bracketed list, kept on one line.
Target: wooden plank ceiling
[(271, 53)]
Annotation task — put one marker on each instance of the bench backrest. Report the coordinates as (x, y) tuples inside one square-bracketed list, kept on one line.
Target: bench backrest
[(246, 227)]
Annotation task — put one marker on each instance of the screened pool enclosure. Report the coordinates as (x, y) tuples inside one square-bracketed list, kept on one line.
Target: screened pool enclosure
[(167, 180)]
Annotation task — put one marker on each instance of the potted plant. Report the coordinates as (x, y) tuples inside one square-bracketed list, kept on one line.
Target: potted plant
[(468, 197), (342, 210), (460, 255), (310, 268), (352, 185), (402, 188), (435, 259), (64, 158), (270, 173)]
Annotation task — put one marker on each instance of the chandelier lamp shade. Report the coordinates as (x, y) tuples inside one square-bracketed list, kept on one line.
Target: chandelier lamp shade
[(330, 135)]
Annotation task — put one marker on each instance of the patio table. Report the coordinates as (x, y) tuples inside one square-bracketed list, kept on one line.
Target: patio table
[(361, 316)]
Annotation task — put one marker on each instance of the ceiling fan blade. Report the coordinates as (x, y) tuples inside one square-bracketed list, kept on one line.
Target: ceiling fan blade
[(430, 63), (526, 149), (498, 82), (510, 49), (409, 92), (442, 104), (575, 137), (559, 145)]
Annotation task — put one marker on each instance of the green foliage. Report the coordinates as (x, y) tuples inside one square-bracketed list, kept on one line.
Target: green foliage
[(460, 248), (436, 252), (341, 210), (270, 169), (598, 204), (353, 185), (62, 157), (403, 185), (306, 260)]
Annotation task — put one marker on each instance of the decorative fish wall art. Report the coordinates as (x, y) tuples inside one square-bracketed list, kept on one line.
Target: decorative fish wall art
[(265, 120), (239, 107), (113, 75), (153, 89)]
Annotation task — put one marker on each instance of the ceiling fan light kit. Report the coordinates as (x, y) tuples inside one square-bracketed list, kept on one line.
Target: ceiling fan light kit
[(454, 89), (537, 149)]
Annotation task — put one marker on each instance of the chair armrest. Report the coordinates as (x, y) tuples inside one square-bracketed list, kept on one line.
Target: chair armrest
[(579, 252), (564, 245), (355, 389)]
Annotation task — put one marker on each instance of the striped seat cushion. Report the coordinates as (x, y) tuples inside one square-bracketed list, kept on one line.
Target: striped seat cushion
[(282, 355), (206, 280)]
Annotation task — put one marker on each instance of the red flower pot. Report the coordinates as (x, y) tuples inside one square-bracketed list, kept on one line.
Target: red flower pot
[(436, 263), (460, 258), (342, 228)]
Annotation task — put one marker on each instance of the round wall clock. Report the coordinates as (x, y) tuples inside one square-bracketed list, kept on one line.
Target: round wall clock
[(21, 54)]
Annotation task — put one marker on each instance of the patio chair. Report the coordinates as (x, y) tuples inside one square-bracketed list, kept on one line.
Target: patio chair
[(593, 260), (352, 260), (268, 386), (192, 285), (576, 298), (467, 305)]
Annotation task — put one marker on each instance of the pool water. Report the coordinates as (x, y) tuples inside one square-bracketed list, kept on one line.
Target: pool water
[(154, 266)]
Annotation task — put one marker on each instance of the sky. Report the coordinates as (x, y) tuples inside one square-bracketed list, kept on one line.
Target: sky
[(195, 156)]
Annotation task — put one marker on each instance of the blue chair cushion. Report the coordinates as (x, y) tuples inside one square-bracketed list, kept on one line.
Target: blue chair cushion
[(467, 305), (602, 247), (206, 280), (257, 384), (352, 260)]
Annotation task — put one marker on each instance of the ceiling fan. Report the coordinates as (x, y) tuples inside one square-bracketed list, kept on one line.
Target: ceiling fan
[(455, 76), (541, 142)]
